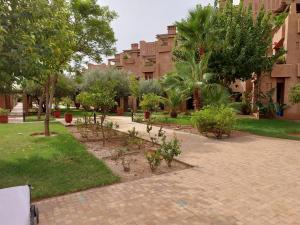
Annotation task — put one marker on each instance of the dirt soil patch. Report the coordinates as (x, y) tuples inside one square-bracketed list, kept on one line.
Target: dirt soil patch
[(295, 134), (132, 155), (42, 134)]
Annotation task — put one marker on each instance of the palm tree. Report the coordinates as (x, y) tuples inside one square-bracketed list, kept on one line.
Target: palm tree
[(188, 76), (174, 99), (195, 33)]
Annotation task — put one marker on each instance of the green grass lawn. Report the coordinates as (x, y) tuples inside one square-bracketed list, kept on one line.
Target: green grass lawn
[(180, 120), (35, 119), (270, 128), (53, 165), (264, 127)]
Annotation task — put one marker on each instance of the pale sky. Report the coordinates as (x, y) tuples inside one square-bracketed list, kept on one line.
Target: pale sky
[(143, 19)]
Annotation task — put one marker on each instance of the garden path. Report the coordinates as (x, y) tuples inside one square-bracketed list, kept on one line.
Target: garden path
[(247, 180), (16, 115)]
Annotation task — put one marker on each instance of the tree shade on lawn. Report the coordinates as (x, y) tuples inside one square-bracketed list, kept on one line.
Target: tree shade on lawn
[(53, 166)]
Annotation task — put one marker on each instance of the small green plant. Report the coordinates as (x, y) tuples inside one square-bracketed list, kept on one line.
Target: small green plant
[(82, 127), (218, 120), (126, 164), (150, 102), (170, 149), (246, 103), (110, 128), (138, 119), (85, 100), (133, 138), (294, 94), (154, 159), (67, 101), (157, 137), (118, 153), (133, 133), (3, 112)]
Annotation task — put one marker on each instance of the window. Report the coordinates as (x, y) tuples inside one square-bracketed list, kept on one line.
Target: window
[(298, 7)]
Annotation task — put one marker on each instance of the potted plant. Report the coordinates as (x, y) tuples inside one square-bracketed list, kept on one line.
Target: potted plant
[(56, 112), (120, 111), (173, 101), (150, 103), (68, 115), (3, 115), (77, 104), (280, 109)]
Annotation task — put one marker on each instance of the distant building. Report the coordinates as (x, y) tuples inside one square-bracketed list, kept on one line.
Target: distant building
[(148, 60)]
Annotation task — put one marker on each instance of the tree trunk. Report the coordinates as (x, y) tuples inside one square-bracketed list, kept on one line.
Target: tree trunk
[(41, 101), (49, 93), (47, 116), (196, 96), (52, 90), (102, 128), (134, 104)]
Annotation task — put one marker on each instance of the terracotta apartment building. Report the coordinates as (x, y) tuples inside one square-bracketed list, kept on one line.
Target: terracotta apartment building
[(286, 73), (148, 60)]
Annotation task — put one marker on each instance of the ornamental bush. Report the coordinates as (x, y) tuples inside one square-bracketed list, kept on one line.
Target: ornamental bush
[(218, 120), (294, 95)]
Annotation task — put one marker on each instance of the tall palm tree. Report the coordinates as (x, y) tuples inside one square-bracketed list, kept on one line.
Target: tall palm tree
[(195, 33)]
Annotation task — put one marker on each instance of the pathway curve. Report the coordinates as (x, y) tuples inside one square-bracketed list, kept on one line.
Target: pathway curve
[(247, 180), (16, 115)]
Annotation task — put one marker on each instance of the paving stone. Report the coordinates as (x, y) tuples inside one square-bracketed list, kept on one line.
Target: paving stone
[(249, 180)]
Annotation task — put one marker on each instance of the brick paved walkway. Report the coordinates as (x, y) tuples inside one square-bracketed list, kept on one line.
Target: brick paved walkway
[(247, 180), (16, 115)]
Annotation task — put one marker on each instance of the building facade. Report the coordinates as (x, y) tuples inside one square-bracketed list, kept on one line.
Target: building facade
[(286, 72), (148, 60)]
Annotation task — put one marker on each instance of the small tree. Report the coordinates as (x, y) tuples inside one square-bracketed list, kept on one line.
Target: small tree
[(170, 149), (150, 102), (134, 90), (102, 98)]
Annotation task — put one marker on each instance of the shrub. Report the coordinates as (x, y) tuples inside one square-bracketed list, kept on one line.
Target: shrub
[(3, 112), (67, 101), (150, 102), (218, 120), (170, 149), (294, 95), (154, 159)]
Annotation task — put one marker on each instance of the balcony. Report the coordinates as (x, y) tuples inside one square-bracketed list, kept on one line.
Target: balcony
[(148, 68), (128, 61), (285, 70), (164, 48)]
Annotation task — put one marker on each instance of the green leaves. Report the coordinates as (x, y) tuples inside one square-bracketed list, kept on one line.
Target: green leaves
[(294, 94)]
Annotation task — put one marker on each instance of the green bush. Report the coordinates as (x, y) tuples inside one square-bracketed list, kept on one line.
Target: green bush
[(170, 149), (218, 120), (150, 102), (294, 95), (3, 112)]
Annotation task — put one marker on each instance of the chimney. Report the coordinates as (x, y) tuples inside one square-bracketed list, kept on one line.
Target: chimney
[(172, 29), (135, 46)]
